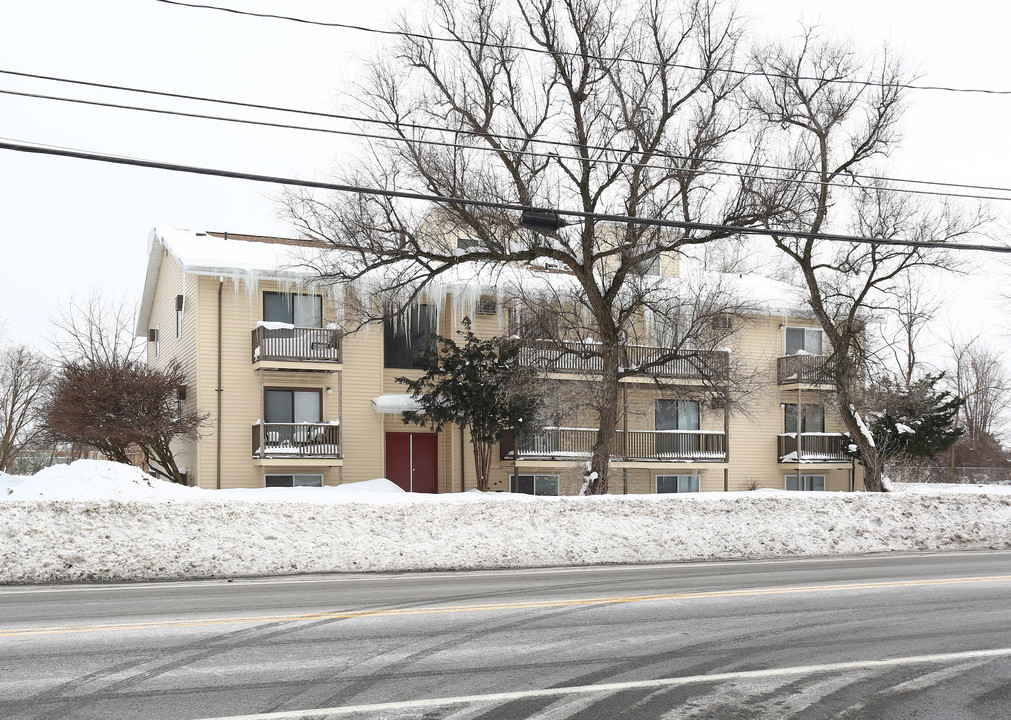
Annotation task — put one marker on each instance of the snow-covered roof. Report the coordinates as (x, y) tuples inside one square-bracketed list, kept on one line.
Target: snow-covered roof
[(247, 258)]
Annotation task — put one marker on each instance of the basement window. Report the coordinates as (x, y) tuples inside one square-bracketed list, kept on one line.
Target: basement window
[(534, 484), (677, 483), (293, 481), (807, 482)]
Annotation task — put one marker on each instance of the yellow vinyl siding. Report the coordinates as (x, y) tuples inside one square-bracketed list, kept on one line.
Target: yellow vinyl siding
[(170, 283)]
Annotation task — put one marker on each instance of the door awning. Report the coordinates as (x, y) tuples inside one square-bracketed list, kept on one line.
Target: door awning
[(394, 403)]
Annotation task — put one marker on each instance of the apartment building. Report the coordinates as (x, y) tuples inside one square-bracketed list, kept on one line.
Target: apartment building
[(295, 397)]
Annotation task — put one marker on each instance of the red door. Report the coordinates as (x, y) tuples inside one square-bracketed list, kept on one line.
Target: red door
[(412, 461)]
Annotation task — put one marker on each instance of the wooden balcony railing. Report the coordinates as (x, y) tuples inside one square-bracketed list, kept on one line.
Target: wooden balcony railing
[(296, 440), (815, 447), (565, 442), (579, 357), (802, 369), (297, 344)]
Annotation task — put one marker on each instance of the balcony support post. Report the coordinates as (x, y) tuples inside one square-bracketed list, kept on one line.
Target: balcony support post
[(263, 429)]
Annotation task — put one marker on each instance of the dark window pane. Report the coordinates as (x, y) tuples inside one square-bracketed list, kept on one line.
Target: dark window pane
[(278, 480), (790, 418), (523, 484), (277, 307), (666, 483), (666, 415), (546, 484), (405, 338), (279, 406)]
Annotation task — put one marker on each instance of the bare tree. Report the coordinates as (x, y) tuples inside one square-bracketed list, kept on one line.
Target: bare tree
[(24, 382), (97, 330), (982, 379), (833, 115), (640, 94), (914, 307)]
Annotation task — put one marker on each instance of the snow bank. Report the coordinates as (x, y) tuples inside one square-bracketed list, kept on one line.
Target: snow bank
[(198, 533), (92, 480)]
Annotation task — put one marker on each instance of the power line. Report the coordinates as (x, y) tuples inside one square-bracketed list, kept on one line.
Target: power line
[(482, 148), (512, 207), (482, 134), (542, 51)]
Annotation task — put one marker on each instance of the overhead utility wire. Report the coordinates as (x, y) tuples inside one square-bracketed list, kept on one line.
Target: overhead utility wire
[(488, 134), (482, 148), (513, 207), (542, 51)]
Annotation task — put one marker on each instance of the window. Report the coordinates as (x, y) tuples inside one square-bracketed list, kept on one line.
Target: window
[(677, 483), (179, 316), (293, 481), (298, 310), (152, 337), (539, 322), (651, 266), (466, 243), (486, 306), (534, 484), (803, 340), (807, 482), (405, 338), (813, 420), (180, 400), (723, 322), (292, 406), (676, 415)]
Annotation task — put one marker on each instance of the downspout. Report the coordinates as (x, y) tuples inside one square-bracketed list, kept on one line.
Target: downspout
[(463, 456), (218, 390)]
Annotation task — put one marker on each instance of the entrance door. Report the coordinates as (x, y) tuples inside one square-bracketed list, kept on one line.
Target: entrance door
[(412, 461)]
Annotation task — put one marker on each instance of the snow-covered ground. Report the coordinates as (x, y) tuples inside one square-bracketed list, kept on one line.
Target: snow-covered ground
[(98, 520)]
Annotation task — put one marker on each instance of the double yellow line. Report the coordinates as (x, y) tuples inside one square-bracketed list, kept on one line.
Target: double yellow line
[(487, 607)]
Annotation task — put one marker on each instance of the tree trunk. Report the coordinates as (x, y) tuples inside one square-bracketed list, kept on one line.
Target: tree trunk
[(482, 463), (872, 461), (607, 411)]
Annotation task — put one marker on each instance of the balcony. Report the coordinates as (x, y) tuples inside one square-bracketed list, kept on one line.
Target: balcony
[(804, 369), (567, 443), (815, 447), (279, 342), (580, 357), (296, 440)]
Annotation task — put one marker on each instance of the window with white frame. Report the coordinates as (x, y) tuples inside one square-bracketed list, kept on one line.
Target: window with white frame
[(534, 484), (293, 481), (677, 483), (804, 341), (807, 482)]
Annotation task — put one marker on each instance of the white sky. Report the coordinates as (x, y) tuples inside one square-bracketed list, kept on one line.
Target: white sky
[(67, 226)]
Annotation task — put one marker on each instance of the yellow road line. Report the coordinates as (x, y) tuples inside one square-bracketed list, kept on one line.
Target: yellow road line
[(610, 600)]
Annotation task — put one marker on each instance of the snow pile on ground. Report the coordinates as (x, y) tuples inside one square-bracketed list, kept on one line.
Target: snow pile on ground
[(91, 480), (199, 533)]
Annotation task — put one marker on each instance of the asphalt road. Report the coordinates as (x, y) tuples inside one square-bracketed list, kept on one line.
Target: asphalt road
[(913, 636)]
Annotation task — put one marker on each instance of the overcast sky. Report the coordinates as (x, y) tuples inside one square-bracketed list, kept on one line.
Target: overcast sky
[(68, 226)]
